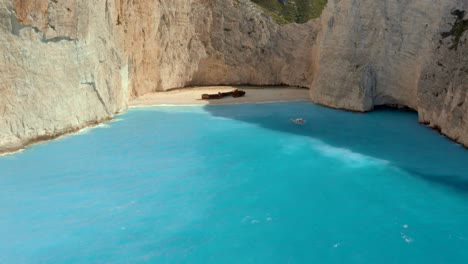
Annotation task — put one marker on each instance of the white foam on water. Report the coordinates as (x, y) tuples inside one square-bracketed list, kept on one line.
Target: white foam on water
[(251, 220), (12, 153), (219, 118), (336, 245), (123, 206), (115, 120), (103, 125), (88, 129), (456, 237), (246, 219), (82, 131), (292, 145), (406, 238), (347, 156)]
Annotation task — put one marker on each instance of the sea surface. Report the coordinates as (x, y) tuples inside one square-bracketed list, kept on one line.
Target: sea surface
[(239, 184)]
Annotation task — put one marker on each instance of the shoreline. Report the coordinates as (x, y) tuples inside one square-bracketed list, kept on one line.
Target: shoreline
[(191, 96), (46, 138), (230, 103)]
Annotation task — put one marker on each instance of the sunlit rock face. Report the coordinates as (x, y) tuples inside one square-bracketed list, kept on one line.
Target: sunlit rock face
[(61, 68), (68, 64)]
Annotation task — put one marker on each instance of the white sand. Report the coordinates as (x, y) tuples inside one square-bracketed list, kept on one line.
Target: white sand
[(192, 96)]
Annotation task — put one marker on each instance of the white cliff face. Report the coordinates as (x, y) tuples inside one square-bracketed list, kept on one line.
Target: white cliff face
[(68, 64), (60, 68), (392, 53)]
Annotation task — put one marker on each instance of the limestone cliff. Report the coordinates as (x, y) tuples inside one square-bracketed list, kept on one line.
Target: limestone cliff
[(396, 53), (68, 64), (191, 42), (442, 92), (60, 68)]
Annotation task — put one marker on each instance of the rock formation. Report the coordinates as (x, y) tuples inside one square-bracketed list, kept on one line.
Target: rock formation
[(395, 53), (60, 67), (68, 64), (191, 42)]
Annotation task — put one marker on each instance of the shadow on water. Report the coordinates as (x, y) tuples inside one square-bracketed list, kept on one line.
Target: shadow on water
[(390, 135)]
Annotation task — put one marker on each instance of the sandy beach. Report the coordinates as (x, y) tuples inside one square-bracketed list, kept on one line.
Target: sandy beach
[(192, 96)]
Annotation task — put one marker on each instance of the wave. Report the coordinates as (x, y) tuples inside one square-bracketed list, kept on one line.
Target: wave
[(88, 129), (12, 153), (344, 155), (347, 156), (115, 120)]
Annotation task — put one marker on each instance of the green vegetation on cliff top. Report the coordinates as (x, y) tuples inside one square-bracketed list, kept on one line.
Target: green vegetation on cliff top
[(292, 11)]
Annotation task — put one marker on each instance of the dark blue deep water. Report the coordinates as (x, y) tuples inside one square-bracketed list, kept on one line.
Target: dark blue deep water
[(239, 184)]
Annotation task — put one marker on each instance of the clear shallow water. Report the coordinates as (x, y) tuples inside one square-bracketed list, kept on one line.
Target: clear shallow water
[(239, 184)]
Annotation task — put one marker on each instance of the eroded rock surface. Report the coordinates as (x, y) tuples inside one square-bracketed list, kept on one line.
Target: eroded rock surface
[(443, 86), (396, 53), (60, 68), (192, 42), (68, 64)]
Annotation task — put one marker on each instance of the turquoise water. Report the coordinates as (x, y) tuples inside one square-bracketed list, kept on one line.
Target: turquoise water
[(239, 184)]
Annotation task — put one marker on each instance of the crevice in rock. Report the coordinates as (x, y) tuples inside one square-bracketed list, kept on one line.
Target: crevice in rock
[(17, 27), (395, 107), (98, 94), (56, 39), (458, 29)]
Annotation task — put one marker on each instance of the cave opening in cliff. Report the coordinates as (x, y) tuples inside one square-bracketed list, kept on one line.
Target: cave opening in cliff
[(395, 107)]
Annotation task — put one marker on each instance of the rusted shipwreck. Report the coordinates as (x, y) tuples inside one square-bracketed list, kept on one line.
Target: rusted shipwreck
[(236, 93)]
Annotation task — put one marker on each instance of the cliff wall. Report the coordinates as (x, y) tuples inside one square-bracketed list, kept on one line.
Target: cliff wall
[(396, 53), (181, 43), (69, 64), (60, 68)]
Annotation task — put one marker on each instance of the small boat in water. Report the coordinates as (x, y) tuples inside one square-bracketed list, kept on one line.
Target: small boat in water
[(298, 121)]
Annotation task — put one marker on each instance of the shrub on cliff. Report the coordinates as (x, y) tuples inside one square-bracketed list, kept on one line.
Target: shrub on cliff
[(292, 11)]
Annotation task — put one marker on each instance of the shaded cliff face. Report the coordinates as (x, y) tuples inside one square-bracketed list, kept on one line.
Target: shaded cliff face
[(182, 43), (396, 53), (376, 50), (292, 11), (442, 92), (246, 47)]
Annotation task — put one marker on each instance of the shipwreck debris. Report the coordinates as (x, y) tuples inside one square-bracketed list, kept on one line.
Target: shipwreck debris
[(236, 93)]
